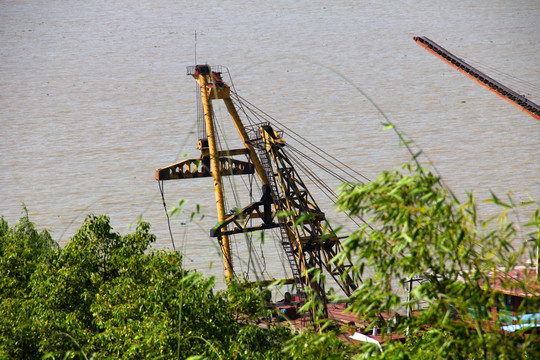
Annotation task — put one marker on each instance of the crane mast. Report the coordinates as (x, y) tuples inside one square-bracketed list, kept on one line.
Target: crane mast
[(503, 91), (307, 239), (213, 162)]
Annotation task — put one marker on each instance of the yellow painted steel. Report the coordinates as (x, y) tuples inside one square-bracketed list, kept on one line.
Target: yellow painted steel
[(210, 90), (242, 131), (205, 83)]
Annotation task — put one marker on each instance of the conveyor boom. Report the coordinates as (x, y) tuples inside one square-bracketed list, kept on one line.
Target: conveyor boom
[(503, 91)]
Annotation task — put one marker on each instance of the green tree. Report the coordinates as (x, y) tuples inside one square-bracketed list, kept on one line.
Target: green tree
[(104, 295), (420, 230), (110, 296), (22, 249), (107, 295), (318, 346)]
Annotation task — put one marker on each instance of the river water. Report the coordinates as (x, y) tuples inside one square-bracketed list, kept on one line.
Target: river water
[(94, 98)]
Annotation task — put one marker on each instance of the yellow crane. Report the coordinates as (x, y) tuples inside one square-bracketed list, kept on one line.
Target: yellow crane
[(307, 239)]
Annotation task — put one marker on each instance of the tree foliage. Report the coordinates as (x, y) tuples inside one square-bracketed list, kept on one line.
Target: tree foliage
[(21, 249), (108, 296), (421, 232)]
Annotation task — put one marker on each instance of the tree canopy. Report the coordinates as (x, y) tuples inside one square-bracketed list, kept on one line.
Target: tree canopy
[(419, 232), (107, 295)]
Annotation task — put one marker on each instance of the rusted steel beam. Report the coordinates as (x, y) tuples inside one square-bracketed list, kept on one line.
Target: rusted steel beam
[(503, 91)]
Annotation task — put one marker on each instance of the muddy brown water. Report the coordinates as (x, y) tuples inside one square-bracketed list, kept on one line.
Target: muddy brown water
[(94, 98)]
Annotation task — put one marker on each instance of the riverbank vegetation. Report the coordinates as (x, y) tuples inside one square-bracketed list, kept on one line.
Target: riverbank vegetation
[(422, 235), (107, 295)]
